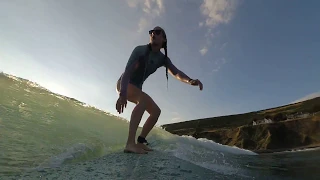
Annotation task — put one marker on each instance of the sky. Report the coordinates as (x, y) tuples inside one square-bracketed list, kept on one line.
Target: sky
[(249, 55)]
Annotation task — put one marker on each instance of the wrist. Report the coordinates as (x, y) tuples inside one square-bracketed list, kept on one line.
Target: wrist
[(122, 94)]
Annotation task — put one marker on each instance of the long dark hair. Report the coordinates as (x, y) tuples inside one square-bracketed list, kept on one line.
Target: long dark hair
[(164, 46)]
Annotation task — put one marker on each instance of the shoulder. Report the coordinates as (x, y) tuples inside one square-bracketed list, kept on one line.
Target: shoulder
[(165, 61), (140, 49)]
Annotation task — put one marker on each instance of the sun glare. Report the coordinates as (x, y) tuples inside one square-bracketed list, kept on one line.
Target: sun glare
[(56, 88)]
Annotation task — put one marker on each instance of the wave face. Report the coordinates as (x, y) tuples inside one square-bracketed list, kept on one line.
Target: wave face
[(40, 129)]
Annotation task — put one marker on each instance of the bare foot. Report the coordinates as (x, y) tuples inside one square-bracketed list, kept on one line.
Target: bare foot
[(143, 146), (134, 148)]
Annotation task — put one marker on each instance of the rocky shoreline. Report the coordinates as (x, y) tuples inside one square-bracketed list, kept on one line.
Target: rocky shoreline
[(278, 135)]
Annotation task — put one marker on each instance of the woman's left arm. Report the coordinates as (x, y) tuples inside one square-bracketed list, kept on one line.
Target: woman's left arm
[(175, 72)]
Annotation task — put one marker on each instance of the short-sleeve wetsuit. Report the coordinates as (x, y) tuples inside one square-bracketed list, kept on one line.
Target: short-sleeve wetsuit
[(139, 67)]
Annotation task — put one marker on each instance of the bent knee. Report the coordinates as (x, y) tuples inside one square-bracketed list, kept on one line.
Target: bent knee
[(156, 111), (152, 108)]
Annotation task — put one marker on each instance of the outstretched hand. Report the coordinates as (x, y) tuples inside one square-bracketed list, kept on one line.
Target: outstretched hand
[(121, 104), (196, 82)]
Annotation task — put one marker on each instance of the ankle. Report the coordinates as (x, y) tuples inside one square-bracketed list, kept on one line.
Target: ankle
[(130, 142), (142, 140)]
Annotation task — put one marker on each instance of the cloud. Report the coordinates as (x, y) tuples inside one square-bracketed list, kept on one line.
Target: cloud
[(176, 117), (223, 45), (133, 3), (143, 23), (152, 9), (307, 97), (204, 50), (216, 12), (218, 64)]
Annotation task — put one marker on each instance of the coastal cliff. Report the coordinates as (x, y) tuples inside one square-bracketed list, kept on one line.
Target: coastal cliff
[(282, 128)]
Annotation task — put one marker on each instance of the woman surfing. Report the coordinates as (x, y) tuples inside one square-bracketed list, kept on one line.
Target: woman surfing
[(144, 61)]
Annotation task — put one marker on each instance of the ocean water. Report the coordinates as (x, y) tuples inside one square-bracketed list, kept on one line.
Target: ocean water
[(48, 136)]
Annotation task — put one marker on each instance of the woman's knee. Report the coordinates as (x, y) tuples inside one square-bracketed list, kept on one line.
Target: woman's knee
[(152, 108), (156, 111)]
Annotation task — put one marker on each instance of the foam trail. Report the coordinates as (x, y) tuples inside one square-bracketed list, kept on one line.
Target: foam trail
[(207, 154)]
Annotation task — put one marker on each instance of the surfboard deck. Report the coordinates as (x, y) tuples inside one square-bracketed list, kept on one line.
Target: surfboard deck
[(119, 165)]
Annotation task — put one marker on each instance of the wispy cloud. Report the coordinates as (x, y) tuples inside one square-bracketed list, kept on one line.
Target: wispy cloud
[(143, 24), (133, 3), (152, 9), (307, 97), (216, 12), (223, 45), (204, 50), (217, 64), (176, 117)]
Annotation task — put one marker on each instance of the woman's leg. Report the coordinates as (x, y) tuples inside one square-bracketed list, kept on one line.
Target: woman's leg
[(154, 112), (134, 95)]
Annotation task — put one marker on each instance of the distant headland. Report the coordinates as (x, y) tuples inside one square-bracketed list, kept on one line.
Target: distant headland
[(289, 127)]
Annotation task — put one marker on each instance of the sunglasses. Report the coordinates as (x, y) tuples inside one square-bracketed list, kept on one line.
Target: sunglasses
[(157, 31)]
